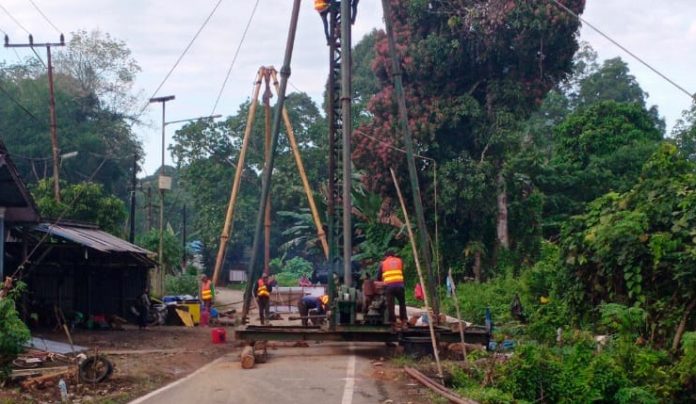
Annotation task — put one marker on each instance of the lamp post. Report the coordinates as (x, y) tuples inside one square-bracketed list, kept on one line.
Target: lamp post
[(165, 183)]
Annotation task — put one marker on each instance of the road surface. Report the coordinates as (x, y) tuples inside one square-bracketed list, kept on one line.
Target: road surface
[(322, 373)]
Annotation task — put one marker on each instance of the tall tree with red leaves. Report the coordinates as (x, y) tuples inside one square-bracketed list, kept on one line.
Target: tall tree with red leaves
[(473, 71)]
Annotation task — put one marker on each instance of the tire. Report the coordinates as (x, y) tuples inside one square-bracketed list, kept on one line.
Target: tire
[(95, 369)]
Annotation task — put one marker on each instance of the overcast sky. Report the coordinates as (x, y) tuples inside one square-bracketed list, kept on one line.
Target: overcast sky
[(663, 32)]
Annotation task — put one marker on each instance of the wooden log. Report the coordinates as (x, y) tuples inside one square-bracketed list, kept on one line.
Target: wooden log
[(247, 357)]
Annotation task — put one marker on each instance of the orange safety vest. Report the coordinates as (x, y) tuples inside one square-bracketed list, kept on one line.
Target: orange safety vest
[(393, 271), (206, 292), (262, 290), (321, 5)]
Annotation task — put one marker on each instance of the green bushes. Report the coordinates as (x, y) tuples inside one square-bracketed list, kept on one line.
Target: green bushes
[(182, 284), (288, 273), (13, 332)]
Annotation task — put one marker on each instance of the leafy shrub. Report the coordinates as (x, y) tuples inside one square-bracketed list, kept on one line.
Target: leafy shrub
[(535, 373), (288, 273), (13, 332), (497, 294), (183, 284), (635, 395)]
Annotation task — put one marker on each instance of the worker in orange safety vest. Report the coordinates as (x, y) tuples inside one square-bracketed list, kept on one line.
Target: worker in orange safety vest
[(391, 272), (263, 296), (324, 6), (206, 292)]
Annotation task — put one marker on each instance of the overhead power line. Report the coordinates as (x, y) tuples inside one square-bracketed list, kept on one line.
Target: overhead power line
[(236, 53), (44, 16), (636, 57), (22, 107), (205, 23), (19, 24)]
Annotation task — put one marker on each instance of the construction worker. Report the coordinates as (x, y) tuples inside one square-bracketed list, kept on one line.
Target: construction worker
[(206, 292), (307, 303), (263, 297), (323, 7), (391, 272)]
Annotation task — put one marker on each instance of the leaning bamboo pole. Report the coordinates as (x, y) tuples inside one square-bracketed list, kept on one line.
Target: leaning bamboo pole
[(426, 301), (229, 216), (303, 175)]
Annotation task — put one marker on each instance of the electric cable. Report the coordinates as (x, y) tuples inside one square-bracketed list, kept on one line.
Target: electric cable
[(44, 16), (236, 53), (22, 107), (205, 23), (19, 24), (636, 57)]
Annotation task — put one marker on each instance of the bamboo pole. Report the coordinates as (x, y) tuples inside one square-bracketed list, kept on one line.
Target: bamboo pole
[(431, 318), (459, 317), (229, 216), (303, 175)]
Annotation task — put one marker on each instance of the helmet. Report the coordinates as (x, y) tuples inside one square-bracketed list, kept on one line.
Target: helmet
[(324, 299)]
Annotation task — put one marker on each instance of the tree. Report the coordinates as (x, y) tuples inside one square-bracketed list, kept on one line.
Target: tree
[(473, 71), (684, 133), (598, 149), (103, 67), (637, 248), (93, 127), (171, 248), (85, 202)]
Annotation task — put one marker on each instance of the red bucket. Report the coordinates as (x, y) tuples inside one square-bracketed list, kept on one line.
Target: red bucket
[(218, 335)]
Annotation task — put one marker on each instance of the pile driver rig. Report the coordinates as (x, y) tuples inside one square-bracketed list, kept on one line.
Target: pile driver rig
[(344, 323)]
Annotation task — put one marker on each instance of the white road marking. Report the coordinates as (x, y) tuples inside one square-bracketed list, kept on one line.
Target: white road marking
[(350, 382), (144, 398)]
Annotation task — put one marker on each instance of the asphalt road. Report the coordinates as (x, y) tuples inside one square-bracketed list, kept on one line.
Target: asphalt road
[(321, 373)]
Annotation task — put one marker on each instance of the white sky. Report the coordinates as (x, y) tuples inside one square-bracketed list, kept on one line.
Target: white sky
[(663, 32)]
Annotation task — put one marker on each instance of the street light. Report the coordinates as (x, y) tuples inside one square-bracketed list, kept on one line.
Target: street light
[(164, 183)]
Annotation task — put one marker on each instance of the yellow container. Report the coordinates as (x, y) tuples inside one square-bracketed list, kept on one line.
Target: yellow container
[(195, 310)]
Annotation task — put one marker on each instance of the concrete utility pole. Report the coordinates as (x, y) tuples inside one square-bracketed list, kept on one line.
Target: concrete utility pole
[(165, 183), (52, 106)]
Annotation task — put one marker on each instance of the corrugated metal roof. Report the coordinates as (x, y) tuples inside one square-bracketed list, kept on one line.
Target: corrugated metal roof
[(91, 237)]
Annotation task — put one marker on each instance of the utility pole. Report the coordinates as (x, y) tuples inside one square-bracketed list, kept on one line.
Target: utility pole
[(134, 184), (52, 106), (149, 208), (165, 183), (183, 236)]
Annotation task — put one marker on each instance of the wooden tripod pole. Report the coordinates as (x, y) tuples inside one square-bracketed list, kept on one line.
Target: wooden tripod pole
[(303, 175), (431, 320), (227, 228)]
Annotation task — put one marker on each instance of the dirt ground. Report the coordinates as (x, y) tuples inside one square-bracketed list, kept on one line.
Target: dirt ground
[(145, 360)]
